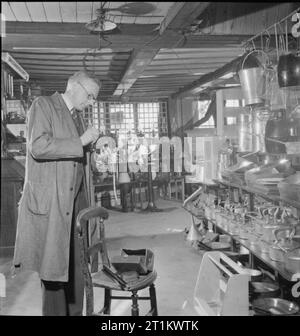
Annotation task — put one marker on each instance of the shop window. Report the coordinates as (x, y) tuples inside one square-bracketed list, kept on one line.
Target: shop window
[(230, 121), (150, 119), (232, 103)]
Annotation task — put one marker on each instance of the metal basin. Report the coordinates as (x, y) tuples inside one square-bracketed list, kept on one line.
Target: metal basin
[(263, 289), (275, 306)]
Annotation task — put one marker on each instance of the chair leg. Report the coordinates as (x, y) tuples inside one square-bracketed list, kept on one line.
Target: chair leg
[(107, 301), (153, 302), (135, 306)]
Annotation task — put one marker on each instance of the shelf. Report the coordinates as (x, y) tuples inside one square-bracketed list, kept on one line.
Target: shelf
[(276, 266), (249, 190)]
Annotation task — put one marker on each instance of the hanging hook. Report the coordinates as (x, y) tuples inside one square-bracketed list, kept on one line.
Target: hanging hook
[(281, 38), (275, 27), (286, 37), (268, 40)]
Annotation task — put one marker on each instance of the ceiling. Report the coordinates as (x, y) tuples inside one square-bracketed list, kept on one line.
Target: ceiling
[(166, 52)]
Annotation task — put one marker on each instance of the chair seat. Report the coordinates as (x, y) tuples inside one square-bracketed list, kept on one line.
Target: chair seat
[(101, 279)]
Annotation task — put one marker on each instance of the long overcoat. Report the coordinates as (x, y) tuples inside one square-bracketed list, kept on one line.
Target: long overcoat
[(45, 210)]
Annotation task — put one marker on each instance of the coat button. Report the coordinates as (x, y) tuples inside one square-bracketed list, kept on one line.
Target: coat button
[(71, 189), (68, 213)]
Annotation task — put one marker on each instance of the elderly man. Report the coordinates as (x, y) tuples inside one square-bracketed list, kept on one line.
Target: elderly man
[(54, 192)]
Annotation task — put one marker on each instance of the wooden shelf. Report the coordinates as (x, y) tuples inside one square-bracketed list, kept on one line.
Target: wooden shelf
[(249, 190), (276, 266)]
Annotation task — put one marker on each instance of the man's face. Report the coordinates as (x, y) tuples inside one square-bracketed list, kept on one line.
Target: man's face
[(85, 93)]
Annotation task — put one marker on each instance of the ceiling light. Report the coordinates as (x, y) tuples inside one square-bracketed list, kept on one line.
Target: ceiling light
[(9, 60), (98, 26)]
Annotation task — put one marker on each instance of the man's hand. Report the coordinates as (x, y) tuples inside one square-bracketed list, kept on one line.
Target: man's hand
[(90, 135)]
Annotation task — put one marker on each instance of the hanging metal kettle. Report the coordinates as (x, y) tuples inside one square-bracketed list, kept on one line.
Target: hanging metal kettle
[(288, 70)]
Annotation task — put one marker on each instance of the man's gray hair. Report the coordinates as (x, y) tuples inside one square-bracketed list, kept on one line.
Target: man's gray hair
[(80, 75)]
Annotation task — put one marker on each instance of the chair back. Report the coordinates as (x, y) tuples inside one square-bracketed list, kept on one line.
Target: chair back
[(100, 246)]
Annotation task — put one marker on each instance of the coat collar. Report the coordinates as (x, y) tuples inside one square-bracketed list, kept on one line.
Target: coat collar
[(59, 102), (61, 106)]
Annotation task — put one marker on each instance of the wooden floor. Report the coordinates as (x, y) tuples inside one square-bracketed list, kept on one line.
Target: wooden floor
[(176, 263)]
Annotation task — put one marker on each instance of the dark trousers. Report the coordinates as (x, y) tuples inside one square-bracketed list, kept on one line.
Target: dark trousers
[(125, 189), (66, 298)]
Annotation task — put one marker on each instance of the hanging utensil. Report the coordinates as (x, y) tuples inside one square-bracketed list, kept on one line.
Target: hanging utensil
[(11, 86), (288, 70)]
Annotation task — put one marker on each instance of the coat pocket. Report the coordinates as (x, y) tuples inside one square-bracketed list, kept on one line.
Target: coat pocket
[(38, 198)]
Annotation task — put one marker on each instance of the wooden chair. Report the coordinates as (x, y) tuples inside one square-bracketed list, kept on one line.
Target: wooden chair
[(103, 279)]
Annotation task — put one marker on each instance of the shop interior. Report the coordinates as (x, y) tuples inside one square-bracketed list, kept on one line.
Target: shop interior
[(204, 99)]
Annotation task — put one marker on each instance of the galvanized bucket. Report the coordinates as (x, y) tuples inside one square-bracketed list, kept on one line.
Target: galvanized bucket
[(253, 83)]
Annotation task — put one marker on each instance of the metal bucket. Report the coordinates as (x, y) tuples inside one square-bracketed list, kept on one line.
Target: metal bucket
[(253, 83)]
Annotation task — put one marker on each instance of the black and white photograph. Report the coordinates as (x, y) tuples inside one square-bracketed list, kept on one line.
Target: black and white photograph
[(150, 162)]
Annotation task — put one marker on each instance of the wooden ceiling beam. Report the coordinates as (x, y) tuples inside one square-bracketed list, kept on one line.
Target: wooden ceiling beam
[(190, 72), (195, 86), (119, 43), (70, 67), (181, 13), (73, 29), (66, 63), (190, 66)]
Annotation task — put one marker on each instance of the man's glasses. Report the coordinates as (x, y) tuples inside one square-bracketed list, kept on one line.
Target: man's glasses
[(90, 96)]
